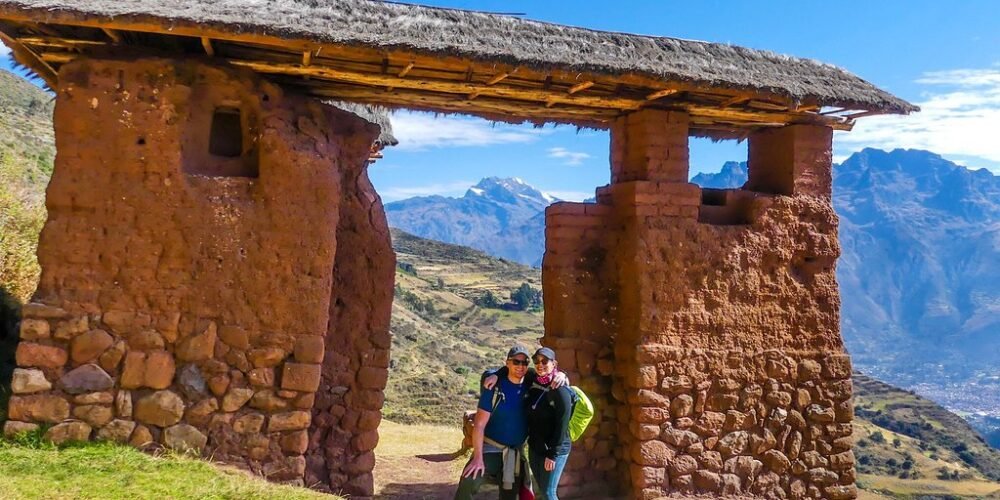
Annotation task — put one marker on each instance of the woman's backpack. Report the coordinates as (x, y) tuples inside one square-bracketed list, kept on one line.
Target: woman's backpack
[(583, 413)]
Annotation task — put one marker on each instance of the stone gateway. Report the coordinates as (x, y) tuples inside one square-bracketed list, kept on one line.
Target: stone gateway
[(217, 274)]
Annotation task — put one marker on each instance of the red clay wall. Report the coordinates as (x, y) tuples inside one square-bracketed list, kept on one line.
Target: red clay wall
[(181, 309), (722, 308), (348, 411)]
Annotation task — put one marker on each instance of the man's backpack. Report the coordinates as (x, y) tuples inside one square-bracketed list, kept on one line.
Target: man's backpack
[(583, 413)]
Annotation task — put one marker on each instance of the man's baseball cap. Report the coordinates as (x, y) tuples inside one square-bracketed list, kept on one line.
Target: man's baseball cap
[(548, 353), (518, 349)]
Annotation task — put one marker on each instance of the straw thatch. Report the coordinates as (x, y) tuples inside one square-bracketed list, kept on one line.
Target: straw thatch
[(490, 37), (373, 114)]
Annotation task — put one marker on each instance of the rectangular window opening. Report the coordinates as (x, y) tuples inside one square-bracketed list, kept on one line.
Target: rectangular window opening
[(226, 136)]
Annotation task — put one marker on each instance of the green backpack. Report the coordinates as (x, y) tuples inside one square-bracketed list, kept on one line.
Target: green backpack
[(583, 413)]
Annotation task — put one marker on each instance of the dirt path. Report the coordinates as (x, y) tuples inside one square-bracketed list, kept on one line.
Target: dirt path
[(419, 462)]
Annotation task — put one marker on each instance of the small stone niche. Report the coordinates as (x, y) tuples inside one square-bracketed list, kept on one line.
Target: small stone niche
[(218, 142)]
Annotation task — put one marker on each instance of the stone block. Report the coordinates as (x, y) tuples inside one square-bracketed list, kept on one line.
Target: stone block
[(191, 382), (185, 438), (235, 337), (28, 381), (42, 311), (161, 408), (94, 398), (309, 349), (30, 354), (34, 329), (70, 328), (86, 378), (200, 412), (289, 421), (198, 347), (261, 377), (93, 415), (118, 431), (306, 377), (123, 404), (68, 432), (146, 340), (268, 400), (266, 357), (250, 423), (13, 428), (141, 437), (154, 370), (87, 346), (236, 398)]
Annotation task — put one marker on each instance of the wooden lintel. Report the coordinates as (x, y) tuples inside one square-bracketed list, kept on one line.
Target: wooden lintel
[(497, 79), (580, 86), (734, 100), (206, 43), (406, 70), (307, 57), (473, 95), (115, 36), (835, 111), (661, 93)]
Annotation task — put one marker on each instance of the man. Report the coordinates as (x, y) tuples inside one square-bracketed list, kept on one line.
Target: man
[(499, 432)]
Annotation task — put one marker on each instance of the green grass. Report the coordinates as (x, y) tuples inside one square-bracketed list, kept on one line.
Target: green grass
[(31, 469)]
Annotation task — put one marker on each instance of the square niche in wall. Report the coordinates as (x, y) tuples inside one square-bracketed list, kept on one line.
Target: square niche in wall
[(218, 142)]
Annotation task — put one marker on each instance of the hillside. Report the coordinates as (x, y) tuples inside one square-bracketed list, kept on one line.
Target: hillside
[(442, 341)]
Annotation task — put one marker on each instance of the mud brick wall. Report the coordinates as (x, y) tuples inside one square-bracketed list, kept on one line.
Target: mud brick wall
[(348, 406), (579, 325), (185, 296)]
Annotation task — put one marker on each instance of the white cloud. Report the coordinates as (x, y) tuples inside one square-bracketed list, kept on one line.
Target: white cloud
[(4, 50), (959, 119), (419, 131), (444, 189), (568, 157), (570, 195)]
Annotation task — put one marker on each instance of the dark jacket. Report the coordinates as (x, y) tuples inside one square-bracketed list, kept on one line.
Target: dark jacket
[(549, 411)]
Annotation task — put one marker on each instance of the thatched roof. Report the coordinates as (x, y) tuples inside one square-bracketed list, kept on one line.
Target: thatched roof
[(373, 114), (541, 57)]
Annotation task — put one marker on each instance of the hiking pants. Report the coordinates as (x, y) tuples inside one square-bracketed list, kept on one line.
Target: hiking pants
[(546, 482), (494, 469)]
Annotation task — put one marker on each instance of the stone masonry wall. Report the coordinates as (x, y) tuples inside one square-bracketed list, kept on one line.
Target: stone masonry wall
[(580, 325), (728, 373), (355, 369), (178, 308)]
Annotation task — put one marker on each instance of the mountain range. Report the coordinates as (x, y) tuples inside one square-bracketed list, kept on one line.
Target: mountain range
[(919, 273)]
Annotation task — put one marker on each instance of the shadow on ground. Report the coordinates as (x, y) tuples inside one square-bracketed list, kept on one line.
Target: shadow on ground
[(430, 492)]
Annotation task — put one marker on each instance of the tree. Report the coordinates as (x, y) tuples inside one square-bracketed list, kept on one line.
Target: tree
[(526, 297), (488, 300)]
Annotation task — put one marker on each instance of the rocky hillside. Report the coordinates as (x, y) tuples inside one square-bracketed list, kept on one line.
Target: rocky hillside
[(499, 216)]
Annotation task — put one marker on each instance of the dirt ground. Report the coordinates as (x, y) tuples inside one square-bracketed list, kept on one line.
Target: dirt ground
[(420, 462)]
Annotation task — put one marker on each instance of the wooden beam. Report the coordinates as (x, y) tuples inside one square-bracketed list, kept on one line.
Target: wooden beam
[(734, 100), (24, 55), (115, 36), (307, 57), (497, 79), (661, 93), (405, 70), (581, 86), (835, 111), (206, 43), (445, 86), (68, 43), (855, 116)]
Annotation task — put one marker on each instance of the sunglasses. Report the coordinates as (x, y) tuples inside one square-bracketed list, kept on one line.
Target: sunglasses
[(542, 361), (519, 362)]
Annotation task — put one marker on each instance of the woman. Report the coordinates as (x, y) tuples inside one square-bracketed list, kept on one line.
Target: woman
[(549, 410)]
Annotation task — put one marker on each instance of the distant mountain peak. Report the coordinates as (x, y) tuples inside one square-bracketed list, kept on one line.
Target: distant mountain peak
[(508, 190)]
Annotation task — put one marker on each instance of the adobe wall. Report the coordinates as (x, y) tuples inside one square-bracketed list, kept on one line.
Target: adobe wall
[(347, 412), (729, 373), (185, 296)]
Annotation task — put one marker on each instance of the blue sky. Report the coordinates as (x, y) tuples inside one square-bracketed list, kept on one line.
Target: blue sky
[(944, 57)]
